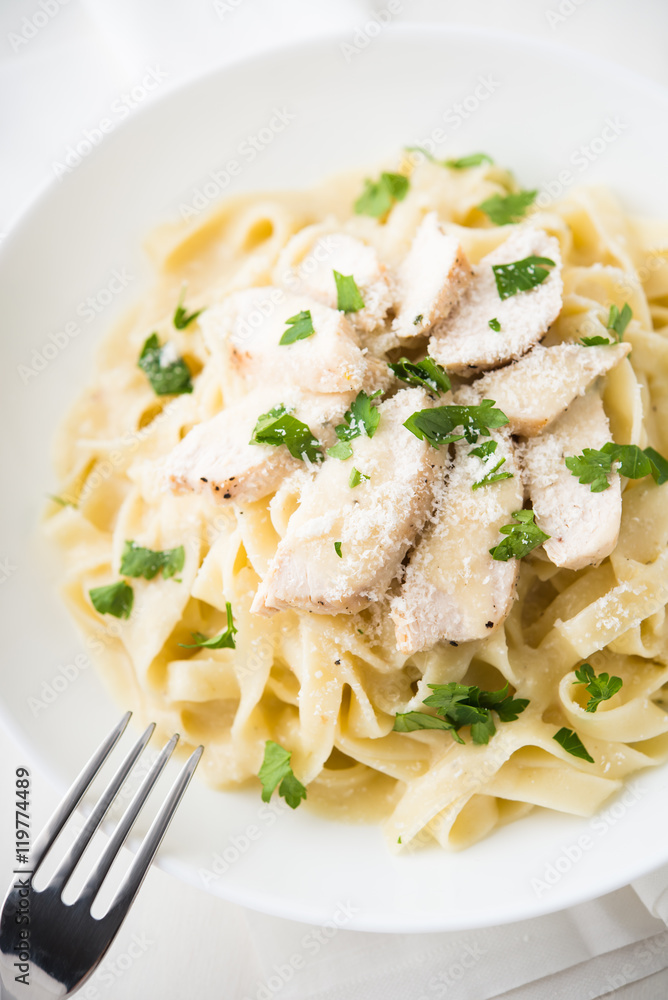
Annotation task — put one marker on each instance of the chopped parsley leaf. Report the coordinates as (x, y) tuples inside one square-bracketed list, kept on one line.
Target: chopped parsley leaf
[(337, 549), (278, 427), (225, 640), (168, 374), (182, 319), (493, 476), (521, 538), (504, 209), (116, 599), (362, 418), (438, 423), (427, 374), (484, 450), (62, 501), (379, 196), (418, 319), (276, 770), (593, 466), (600, 687), (462, 163), (572, 744), (521, 275), (458, 705), (138, 561), (300, 327), (617, 323), (495, 325), (659, 466), (357, 477), (348, 298)]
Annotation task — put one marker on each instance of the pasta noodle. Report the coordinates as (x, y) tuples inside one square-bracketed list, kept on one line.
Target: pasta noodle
[(329, 686)]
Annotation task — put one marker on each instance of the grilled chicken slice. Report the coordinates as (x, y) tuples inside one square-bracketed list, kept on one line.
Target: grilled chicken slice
[(372, 524), (584, 526), (250, 324), (311, 273), (465, 342), (453, 589), (431, 279), (217, 458), (535, 390)]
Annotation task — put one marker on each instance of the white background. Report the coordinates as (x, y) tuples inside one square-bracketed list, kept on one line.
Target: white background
[(60, 81)]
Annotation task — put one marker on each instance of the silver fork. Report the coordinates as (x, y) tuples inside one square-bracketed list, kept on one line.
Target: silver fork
[(64, 943)]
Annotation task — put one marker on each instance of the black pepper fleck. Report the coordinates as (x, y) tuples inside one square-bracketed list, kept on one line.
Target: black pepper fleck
[(453, 643), (203, 480), (489, 624), (227, 495), (337, 662)]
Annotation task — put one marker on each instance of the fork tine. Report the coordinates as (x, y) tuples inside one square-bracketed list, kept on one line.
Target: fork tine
[(73, 856), (75, 794), (126, 823), (142, 862)]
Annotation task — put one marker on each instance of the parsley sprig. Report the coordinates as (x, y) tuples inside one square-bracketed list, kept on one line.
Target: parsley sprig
[(521, 275), (225, 640), (299, 326), (348, 296), (438, 423), (182, 318), (169, 375), (617, 323), (278, 427), (521, 537), (379, 196), (426, 374), (600, 687), (572, 744), (461, 163), (493, 476), (458, 705), (138, 561), (593, 466), (276, 770), (362, 418), (504, 209)]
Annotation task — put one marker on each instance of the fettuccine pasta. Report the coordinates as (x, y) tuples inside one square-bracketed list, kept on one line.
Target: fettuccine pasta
[(328, 686)]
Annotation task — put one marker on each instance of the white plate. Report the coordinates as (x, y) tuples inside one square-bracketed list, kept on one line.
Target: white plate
[(533, 107)]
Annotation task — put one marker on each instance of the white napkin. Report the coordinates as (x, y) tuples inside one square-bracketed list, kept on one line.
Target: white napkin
[(617, 943)]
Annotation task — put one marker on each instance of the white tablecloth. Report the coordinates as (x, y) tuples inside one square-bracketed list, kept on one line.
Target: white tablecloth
[(61, 63)]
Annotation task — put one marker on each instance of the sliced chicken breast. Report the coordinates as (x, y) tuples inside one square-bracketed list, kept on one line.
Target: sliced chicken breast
[(216, 456), (311, 273), (453, 589), (535, 390), (431, 279), (465, 342), (372, 525), (250, 324), (583, 526)]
